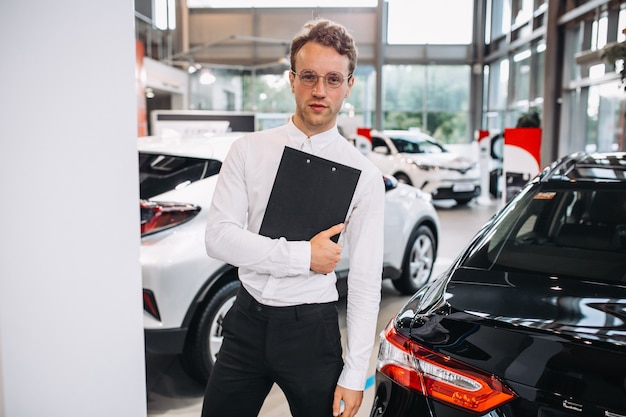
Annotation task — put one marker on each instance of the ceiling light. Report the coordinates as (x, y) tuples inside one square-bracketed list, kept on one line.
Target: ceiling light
[(206, 78)]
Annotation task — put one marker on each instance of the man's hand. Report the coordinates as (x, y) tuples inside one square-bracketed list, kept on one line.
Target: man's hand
[(351, 401), (324, 252)]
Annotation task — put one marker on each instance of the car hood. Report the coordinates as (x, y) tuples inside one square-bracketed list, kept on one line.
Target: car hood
[(558, 341), (450, 160)]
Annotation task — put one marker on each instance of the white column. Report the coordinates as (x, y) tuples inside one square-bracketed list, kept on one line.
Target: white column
[(71, 337)]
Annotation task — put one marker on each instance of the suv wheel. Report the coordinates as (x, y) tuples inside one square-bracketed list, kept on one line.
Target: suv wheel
[(419, 259), (205, 338), (403, 178)]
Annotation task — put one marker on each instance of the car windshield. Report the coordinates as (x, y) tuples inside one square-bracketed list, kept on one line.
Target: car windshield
[(576, 232), (159, 173), (417, 146)]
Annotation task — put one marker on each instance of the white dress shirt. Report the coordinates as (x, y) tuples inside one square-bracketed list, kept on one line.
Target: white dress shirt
[(277, 272)]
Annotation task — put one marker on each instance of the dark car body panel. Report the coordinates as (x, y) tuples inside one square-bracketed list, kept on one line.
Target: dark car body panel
[(531, 340), (545, 315)]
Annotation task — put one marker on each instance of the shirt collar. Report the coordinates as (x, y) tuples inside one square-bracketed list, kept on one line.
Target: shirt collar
[(318, 142)]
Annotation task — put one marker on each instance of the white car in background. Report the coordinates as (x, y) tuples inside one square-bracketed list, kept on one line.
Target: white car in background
[(186, 293), (417, 159)]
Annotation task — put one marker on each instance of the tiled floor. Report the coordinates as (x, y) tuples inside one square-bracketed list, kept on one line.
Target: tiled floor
[(172, 393)]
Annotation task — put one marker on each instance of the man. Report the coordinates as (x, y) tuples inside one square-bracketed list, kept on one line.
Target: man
[(283, 327)]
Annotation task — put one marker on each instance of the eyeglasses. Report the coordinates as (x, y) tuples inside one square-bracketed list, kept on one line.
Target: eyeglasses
[(332, 79)]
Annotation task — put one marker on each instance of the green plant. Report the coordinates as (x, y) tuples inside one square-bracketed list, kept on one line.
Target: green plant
[(613, 53), (529, 119)]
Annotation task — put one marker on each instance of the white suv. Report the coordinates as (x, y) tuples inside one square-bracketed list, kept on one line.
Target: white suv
[(186, 293), (417, 159)]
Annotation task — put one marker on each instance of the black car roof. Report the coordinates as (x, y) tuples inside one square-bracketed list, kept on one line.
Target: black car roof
[(596, 167)]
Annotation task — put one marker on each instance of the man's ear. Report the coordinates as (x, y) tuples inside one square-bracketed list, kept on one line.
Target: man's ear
[(292, 79), (350, 84)]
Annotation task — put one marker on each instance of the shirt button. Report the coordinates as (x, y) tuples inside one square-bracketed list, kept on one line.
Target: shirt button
[(259, 308)]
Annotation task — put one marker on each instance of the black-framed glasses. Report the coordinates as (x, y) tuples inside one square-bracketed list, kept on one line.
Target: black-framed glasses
[(332, 79)]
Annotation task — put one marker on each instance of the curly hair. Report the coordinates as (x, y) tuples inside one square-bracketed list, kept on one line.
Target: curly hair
[(327, 33)]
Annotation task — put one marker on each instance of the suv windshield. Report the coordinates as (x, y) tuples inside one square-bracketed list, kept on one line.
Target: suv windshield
[(159, 173), (570, 230), (416, 146)]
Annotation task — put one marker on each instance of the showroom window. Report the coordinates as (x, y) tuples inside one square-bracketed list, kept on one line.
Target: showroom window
[(514, 87), (496, 85), (514, 80), (593, 87), (270, 97), (520, 77), (215, 89), (432, 98), (604, 109), (538, 69), (498, 19), (522, 11)]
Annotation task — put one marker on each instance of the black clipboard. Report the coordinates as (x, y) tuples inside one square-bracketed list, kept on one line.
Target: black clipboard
[(309, 195)]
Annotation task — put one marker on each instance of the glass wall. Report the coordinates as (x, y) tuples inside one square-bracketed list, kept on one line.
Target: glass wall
[(592, 87), (432, 98), (215, 89), (592, 99), (585, 95), (269, 95), (515, 77), (520, 80), (498, 19), (496, 95), (538, 68), (362, 100)]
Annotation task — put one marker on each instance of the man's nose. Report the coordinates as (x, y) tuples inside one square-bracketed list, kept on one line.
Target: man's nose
[(320, 86)]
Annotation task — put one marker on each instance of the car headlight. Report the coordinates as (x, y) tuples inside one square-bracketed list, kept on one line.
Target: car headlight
[(423, 166)]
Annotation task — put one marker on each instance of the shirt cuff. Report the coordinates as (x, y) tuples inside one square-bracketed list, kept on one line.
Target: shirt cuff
[(299, 257), (352, 379)]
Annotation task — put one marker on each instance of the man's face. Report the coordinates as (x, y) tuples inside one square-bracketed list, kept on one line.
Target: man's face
[(317, 106)]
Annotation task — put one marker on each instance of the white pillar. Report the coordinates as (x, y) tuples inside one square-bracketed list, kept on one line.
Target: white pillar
[(71, 336)]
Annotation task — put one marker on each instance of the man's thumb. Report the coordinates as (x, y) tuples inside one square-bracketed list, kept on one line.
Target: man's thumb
[(335, 230)]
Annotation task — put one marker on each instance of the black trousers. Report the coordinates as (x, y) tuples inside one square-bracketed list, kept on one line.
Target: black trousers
[(298, 348)]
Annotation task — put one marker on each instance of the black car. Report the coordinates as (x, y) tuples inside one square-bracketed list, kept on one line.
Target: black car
[(530, 320)]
